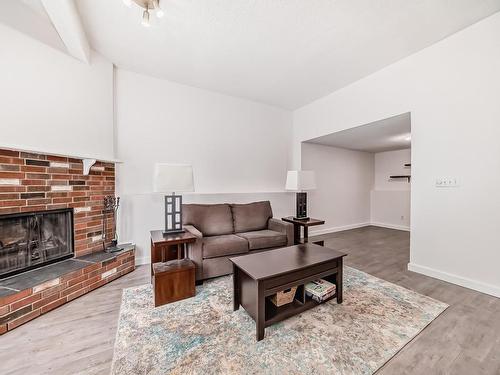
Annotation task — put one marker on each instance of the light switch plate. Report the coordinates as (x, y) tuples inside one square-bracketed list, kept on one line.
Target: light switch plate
[(447, 182)]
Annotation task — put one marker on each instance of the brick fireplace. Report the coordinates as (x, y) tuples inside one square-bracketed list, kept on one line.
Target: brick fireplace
[(39, 184), (36, 182)]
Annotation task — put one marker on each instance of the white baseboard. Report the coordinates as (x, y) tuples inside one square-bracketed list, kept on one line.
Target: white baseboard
[(479, 286), (391, 226), (141, 261), (317, 232)]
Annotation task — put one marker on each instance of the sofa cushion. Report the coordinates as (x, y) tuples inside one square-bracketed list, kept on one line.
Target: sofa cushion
[(209, 219), (225, 245), (251, 216), (262, 239)]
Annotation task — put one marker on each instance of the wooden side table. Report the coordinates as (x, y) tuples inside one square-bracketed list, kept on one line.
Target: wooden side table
[(169, 247), (173, 280), (172, 274), (297, 224)]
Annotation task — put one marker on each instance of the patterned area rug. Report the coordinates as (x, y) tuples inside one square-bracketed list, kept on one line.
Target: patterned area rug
[(202, 335)]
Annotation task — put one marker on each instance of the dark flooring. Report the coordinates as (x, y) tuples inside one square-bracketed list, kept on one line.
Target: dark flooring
[(78, 337), (465, 339)]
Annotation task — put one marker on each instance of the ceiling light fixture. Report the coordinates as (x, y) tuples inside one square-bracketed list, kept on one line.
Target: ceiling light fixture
[(159, 11), (145, 19), (148, 6)]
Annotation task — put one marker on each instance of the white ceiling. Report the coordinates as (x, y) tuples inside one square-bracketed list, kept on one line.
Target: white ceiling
[(282, 52), (393, 133), (30, 18)]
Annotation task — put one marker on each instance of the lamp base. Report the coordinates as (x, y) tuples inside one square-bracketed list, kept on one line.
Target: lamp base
[(173, 231), (301, 206), (173, 214), (301, 218)]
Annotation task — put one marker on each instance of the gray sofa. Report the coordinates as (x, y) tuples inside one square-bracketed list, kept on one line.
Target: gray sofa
[(228, 230)]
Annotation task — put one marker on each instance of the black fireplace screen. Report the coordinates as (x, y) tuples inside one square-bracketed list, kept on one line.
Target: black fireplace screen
[(30, 240)]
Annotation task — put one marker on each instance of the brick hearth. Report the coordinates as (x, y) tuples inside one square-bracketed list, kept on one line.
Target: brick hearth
[(37, 182), (27, 296)]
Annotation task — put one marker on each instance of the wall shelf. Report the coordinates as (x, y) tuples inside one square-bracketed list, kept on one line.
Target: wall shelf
[(407, 176)]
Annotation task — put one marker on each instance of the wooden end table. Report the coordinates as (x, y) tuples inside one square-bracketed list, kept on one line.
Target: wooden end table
[(172, 274), (297, 224), (173, 280), (170, 246)]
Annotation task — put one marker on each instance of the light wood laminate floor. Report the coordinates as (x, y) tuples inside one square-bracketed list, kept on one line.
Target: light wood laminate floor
[(78, 337)]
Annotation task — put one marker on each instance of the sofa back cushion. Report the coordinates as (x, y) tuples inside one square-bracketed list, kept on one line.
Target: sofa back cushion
[(251, 216), (209, 219)]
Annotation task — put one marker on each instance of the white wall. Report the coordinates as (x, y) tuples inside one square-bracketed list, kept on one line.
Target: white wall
[(390, 209), (452, 90), (390, 198), (234, 145), (51, 102), (344, 179)]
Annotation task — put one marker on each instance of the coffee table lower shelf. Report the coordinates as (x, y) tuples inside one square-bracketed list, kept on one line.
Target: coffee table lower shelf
[(277, 314)]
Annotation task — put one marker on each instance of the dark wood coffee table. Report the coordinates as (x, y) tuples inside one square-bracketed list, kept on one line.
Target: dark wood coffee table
[(259, 276)]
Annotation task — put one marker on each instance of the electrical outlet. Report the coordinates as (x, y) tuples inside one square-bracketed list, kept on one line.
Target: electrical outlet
[(447, 182)]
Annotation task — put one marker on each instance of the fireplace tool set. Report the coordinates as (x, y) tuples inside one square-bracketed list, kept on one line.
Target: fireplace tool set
[(111, 204)]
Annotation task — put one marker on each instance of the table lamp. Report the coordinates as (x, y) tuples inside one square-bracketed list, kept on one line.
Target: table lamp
[(172, 178), (301, 181)]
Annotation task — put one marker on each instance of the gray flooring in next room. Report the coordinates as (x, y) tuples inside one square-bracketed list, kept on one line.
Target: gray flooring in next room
[(78, 337)]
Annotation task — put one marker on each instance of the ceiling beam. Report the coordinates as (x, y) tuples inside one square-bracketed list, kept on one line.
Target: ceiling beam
[(67, 22)]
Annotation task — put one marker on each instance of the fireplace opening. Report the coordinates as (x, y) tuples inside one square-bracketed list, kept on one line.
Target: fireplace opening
[(34, 239)]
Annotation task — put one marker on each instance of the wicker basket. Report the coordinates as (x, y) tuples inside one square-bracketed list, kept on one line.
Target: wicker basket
[(284, 297)]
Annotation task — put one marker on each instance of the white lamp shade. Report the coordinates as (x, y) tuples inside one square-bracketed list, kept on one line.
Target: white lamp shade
[(300, 180), (170, 178)]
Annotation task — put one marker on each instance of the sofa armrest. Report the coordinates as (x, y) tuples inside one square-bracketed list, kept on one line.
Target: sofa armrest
[(282, 227), (192, 229), (195, 250)]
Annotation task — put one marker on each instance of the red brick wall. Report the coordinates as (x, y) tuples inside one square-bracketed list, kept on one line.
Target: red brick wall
[(37, 182)]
